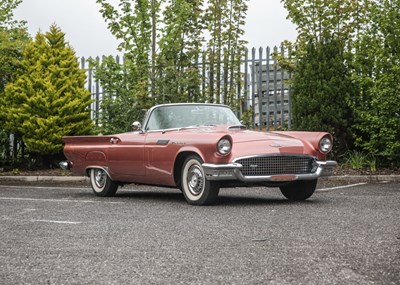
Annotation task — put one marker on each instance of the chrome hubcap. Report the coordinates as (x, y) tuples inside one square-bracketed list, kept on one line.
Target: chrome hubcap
[(100, 178), (195, 180)]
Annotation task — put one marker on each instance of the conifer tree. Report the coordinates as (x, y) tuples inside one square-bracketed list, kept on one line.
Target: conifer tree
[(48, 99)]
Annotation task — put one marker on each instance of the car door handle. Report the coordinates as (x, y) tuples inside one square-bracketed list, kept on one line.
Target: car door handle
[(114, 140)]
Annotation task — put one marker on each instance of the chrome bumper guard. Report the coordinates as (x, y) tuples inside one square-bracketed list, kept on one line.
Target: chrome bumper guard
[(220, 172)]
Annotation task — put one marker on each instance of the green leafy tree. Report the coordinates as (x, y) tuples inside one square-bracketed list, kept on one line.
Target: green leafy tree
[(126, 85), (234, 50), (47, 100), (13, 39), (377, 73), (225, 21), (120, 106), (168, 74), (180, 48), (161, 42), (317, 20)]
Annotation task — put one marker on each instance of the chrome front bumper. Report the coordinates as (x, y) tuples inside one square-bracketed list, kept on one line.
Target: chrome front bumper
[(220, 172)]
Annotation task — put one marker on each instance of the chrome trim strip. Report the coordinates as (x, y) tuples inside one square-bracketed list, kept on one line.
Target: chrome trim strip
[(272, 155)]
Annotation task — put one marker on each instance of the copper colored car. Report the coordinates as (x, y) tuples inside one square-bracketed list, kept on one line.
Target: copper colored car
[(200, 148)]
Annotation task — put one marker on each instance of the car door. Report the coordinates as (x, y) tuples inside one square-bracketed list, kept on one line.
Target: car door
[(160, 152), (126, 155)]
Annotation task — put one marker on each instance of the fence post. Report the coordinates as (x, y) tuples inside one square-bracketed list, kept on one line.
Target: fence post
[(235, 80), (259, 91), (268, 73), (246, 72), (282, 107), (97, 95), (275, 90), (253, 85)]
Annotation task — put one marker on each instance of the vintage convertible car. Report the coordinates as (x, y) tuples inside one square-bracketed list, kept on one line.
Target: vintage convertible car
[(200, 148)]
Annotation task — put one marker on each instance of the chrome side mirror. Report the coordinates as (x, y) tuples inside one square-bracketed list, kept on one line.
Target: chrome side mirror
[(137, 127)]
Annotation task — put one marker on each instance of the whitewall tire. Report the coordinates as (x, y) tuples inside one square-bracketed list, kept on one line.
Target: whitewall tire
[(195, 187), (101, 183)]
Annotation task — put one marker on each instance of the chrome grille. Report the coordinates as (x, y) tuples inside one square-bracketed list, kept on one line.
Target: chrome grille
[(272, 165)]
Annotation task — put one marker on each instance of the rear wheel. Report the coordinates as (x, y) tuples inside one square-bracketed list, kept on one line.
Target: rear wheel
[(195, 187), (102, 184), (299, 190)]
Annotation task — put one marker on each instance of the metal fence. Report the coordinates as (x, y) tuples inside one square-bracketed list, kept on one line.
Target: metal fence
[(269, 91), (265, 88)]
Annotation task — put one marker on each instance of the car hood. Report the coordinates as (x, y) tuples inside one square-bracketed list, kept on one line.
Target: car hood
[(242, 135), (248, 142)]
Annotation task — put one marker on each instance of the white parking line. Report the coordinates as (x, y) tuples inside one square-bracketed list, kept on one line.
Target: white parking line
[(57, 222), (341, 187), (58, 200)]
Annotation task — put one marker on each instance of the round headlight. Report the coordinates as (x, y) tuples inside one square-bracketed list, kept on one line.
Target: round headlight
[(325, 145), (224, 146)]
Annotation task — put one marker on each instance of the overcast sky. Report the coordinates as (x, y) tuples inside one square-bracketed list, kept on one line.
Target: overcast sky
[(86, 31)]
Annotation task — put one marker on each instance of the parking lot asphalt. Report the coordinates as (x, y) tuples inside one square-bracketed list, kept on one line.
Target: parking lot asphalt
[(347, 233)]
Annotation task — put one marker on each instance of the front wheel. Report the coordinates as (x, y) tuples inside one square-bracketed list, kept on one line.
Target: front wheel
[(195, 187), (299, 190), (102, 184)]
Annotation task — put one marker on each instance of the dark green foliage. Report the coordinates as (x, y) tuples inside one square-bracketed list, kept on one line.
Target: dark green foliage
[(178, 72), (224, 21), (126, 85), (4, 146), (322, 82), (364, 52), (13, 39), (321, 91), (120, 105), (47, 100), (12, 43), (377, 72)]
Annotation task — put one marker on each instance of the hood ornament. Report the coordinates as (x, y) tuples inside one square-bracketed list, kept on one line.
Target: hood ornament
[(276, 145)]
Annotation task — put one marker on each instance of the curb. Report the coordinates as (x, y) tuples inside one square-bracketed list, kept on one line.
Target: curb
[(350, 178), (45, 178), (365, 178)]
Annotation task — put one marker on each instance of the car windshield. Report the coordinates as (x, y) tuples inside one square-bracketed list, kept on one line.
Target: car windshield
[(191, 115)]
